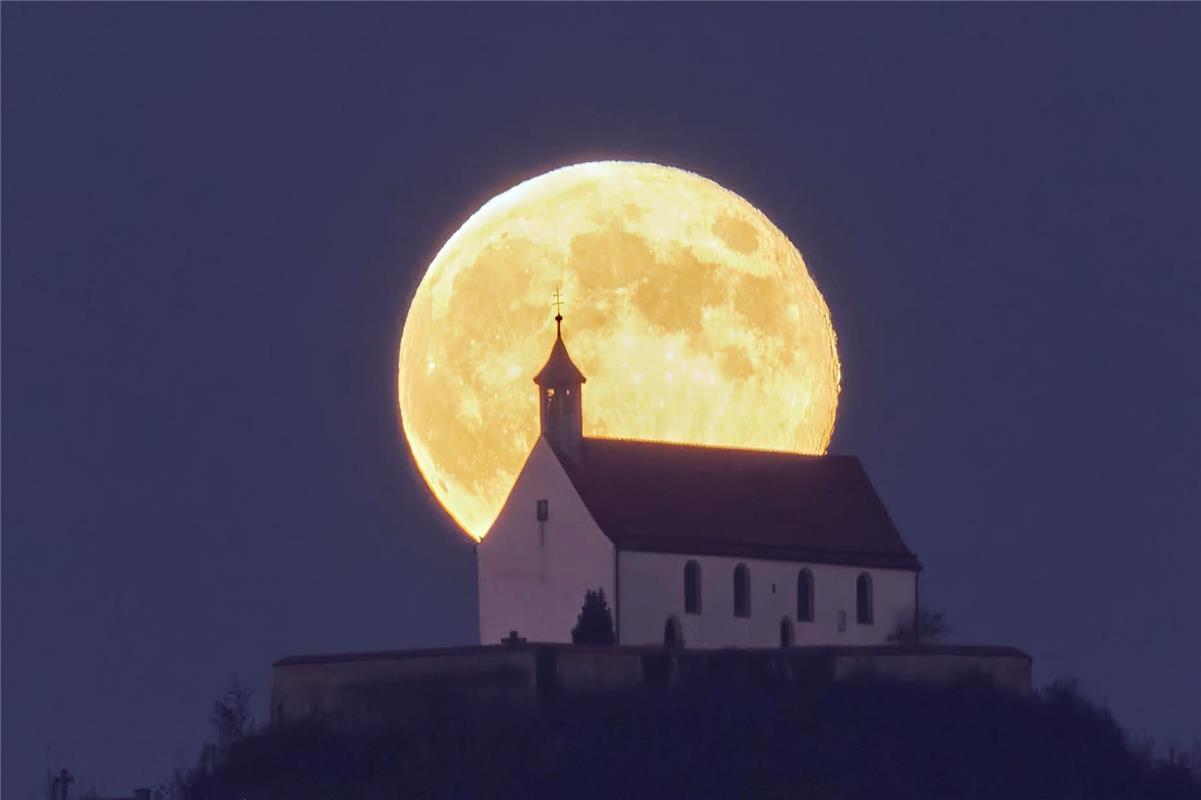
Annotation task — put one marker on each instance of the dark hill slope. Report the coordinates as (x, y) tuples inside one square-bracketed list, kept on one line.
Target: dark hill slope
[(865, 739)]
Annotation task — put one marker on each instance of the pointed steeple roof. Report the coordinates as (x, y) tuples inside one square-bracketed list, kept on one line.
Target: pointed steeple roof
[(559, 369)]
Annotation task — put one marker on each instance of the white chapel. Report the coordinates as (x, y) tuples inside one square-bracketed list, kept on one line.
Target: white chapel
[(693, 546)]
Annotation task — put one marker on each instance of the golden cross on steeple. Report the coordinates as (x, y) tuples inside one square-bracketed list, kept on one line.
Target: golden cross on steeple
[(558, 305)]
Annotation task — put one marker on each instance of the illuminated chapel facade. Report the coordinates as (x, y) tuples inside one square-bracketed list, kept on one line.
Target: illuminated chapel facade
[(693, 546)]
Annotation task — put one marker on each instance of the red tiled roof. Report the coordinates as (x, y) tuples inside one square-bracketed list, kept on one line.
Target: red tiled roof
[(671, 498)]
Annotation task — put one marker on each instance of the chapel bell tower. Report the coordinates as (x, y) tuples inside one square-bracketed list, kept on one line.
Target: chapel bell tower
[(560, 409)]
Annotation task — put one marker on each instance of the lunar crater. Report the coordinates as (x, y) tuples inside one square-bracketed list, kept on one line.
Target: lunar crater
[(694, 318)]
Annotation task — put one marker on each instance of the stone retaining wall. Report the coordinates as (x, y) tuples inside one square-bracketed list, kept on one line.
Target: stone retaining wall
[(382, 685)]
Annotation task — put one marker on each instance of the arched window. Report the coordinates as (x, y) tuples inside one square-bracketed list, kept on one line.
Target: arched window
[(787, 634), (804, 596), (742, 591), (692, 588), (672, 635), (863, 599)]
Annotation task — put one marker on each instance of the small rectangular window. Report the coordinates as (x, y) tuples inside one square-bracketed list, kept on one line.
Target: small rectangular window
[(842, 621), (543, 510)]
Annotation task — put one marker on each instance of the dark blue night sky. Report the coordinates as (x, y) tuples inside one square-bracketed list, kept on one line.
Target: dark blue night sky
[(214, 217)]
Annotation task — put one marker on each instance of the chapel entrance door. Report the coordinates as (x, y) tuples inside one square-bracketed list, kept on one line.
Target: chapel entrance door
[(787, 633), (672, 637)]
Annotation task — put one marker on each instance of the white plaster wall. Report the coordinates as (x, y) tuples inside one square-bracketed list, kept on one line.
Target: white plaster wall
[(532, 576), (652, 589)]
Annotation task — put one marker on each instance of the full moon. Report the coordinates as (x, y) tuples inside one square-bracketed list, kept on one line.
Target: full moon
[(693, 317)]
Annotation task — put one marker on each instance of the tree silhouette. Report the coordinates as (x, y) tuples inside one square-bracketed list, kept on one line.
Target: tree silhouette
[(231, 714), (931, 628), (595, 623)]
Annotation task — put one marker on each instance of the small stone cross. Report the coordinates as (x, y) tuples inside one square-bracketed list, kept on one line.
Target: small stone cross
[(61, 785)]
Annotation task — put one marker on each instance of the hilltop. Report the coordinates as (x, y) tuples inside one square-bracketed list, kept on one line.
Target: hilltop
[(861, 738)]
